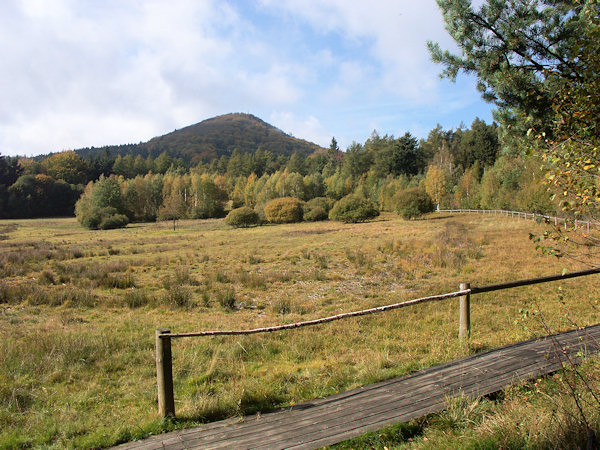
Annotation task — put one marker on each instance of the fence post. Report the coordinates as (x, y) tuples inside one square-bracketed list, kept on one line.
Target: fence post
[(164, 374), (464, 328)]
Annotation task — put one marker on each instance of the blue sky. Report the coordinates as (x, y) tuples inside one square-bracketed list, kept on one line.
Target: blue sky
[(78, 73)]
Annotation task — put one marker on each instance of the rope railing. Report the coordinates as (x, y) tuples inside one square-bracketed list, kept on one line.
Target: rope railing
[(307, 323), (166, 402)]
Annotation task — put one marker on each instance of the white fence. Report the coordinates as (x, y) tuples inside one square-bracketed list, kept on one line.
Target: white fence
[(578, 224)]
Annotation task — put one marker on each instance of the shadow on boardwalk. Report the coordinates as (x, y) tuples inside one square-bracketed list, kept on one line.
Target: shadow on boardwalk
[(350, 414)]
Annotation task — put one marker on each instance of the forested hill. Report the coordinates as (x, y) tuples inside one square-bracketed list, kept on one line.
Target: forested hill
[(213, 138)]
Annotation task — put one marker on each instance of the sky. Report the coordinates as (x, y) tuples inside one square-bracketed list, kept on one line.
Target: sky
[(82, 73)]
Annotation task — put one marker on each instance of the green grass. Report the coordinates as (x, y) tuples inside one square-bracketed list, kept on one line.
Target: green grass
[(78, 310)]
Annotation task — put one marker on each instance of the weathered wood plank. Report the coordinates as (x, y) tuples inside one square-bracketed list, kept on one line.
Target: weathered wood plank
[(349, 414)]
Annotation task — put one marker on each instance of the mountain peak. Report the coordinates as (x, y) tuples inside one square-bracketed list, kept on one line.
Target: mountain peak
[(216, 137)]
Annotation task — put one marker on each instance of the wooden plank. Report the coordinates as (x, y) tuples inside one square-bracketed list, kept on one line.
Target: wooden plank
[(346, 418), (263, 434), (349, 414), (377, 400)]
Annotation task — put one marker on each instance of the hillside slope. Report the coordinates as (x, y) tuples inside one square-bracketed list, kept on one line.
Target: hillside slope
[(213, 138)]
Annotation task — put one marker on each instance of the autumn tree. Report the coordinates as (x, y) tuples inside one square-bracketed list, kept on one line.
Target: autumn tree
[(207, 198), (67, 166), (173, 208), (436, 184), (467, 189)]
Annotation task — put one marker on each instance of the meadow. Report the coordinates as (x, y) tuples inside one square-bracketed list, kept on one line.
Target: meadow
[(78, 311)]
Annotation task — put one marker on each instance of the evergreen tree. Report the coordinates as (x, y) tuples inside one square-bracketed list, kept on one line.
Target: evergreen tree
[(518, 50)]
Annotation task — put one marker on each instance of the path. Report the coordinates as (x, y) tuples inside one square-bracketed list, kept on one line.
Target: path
[(342, 416)]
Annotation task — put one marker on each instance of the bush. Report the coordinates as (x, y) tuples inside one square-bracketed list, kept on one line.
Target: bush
[(412, 203), (226, 298), (353, 208), (209, 211), (113, 221), (284, 210), (95, 218), (101, 205), (317, 209), (242, 217), (315, 214)]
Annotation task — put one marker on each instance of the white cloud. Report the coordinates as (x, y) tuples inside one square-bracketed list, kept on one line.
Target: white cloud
[(396, 32), (164, 65), (307, 127), (81, 73)]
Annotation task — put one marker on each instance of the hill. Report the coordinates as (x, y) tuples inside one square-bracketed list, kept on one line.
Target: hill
[(213, 138)]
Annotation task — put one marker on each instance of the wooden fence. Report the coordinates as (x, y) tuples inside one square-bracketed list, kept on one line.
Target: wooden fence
[(576, 223), (164, 365)]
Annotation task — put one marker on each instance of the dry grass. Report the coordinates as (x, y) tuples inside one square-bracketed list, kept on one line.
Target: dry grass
[(78, 311)]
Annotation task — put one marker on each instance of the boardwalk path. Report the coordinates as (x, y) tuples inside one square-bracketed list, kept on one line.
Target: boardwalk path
[(349, 414)]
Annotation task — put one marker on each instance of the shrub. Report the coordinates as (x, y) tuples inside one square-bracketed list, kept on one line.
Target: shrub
[(101, 205), (316, 214), (242, 217), (178, 296), (317, 209), (226, 298), (105, 218), (113, 221), (353, 208), (136, 298), (412, 203), (324, 202), (284, 210)]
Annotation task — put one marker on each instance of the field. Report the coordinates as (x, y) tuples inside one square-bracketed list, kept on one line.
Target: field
[(78, 310)]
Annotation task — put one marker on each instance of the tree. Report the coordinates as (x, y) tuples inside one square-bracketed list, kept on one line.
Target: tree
[(10, 170), (140, 166), (162, 163), (207, 198), (101, 206), (357, 161), (101, 164), (539, 62), (143, 196), (519, 50), (317, 209), (296, 163), (66, 166), (573, 150), (479, 144), (41, 196), (395, 156), (173, 208), (436, 184), (9, 173), (467, 189), (334, 153), (237, 166)]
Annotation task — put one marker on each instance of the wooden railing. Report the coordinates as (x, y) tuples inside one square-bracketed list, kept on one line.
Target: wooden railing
[(577, 223), (163, 336)]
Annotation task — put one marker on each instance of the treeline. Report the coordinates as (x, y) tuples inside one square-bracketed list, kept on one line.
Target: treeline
[(457, 168)]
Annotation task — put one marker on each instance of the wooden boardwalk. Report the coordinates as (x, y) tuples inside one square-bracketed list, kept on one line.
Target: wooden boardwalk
[(342, 416)]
